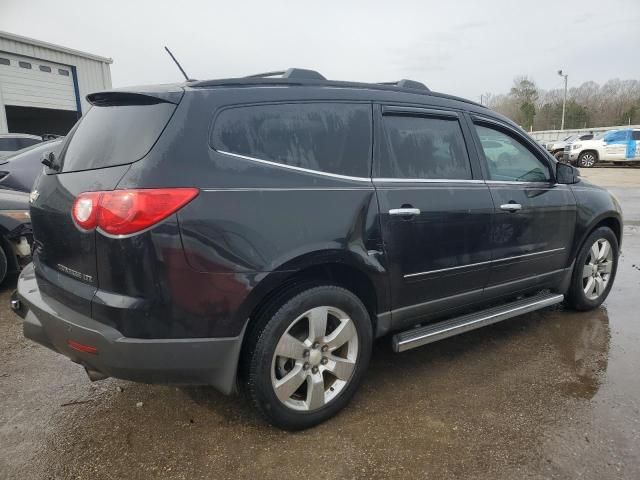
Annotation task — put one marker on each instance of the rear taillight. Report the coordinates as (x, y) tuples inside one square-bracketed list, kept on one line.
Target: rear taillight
[(123, 212)]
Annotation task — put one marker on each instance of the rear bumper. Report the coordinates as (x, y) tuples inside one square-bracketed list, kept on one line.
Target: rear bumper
[(195, 361)]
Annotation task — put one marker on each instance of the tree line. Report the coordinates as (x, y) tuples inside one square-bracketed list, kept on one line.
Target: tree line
[(617, 102)]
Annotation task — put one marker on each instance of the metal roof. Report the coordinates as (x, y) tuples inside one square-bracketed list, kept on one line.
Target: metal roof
[(51, 46)]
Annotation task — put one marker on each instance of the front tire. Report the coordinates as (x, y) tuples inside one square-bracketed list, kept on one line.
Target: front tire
[(4, 265), (594, 270), (587, 159), (307, 356)]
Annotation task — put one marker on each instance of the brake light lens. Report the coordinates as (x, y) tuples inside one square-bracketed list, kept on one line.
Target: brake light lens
[(124, 212)]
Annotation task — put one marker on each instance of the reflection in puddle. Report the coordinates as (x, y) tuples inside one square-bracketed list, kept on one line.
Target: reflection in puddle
[(583, 343)]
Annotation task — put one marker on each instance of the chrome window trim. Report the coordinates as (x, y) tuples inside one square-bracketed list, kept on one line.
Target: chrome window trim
[(425, 180), (469, 265), (294, 168), (287, 189), (513, 182)]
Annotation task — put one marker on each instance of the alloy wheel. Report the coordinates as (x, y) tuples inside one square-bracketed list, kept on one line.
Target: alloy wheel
[(587, 160), (314, 359), (596, 271)]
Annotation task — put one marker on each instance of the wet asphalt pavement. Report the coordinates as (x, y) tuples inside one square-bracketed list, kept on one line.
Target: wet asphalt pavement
[(552, 394)]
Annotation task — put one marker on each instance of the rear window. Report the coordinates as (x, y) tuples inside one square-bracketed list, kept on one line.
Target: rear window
[(115, 135), (327, 137)]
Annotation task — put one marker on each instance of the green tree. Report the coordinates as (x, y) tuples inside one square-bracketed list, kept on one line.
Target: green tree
[(525, 93)]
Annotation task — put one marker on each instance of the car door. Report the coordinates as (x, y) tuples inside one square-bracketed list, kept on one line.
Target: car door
[(435, 211), (616, 144), (533, 219), (635, 147)]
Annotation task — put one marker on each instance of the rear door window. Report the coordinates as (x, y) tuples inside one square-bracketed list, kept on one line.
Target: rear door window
[(117, 134), (327, 137), (424, 148)]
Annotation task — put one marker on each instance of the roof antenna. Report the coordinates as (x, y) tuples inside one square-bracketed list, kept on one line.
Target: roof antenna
[(179, 66)]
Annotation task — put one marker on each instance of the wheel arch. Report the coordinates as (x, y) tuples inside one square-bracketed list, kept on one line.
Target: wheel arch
[(590, 150), (609, 220)]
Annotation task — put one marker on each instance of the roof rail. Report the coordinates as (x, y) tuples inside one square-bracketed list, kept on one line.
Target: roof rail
[(294, 73), (405, 83)]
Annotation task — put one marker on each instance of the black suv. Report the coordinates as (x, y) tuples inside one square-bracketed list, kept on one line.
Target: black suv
[(261, 232)]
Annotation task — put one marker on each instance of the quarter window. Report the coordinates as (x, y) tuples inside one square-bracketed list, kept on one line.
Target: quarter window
[(424, 148), (328, 137), (510, 160)]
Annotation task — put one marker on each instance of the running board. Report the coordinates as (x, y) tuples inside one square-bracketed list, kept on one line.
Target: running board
[(448, 328)]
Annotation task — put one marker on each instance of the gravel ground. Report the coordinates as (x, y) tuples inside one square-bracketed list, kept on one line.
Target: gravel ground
[(553, 394)]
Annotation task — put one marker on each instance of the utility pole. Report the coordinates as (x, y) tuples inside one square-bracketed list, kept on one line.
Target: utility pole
[(564, 101)]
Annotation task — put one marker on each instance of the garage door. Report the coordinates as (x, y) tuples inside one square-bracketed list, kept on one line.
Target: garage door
[(26, 82)]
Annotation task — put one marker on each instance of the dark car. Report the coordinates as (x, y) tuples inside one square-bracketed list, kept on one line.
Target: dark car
[(262, 231), (11, 142), (19, 171), (15, 232)]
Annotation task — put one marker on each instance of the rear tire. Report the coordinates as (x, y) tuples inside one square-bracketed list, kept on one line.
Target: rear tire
[(307, 356), (594, 270)]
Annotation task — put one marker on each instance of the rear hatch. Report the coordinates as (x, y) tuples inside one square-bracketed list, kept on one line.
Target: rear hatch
[(119, 129)]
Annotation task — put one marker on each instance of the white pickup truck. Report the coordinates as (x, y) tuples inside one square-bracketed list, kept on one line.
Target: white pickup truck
[(612, 146)]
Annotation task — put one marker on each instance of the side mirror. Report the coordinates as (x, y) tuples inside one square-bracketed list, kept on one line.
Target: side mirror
[(566, 174)]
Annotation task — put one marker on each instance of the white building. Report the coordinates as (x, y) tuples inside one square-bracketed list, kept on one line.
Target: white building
[(43, 86)]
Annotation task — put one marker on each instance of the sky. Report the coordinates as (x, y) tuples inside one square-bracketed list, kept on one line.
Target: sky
[(463, 48)]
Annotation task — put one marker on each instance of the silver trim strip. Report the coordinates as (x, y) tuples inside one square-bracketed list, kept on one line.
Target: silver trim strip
[(298, 169), (527, 255), (423, 180), (509, 182), (469, 265), (281, 189)]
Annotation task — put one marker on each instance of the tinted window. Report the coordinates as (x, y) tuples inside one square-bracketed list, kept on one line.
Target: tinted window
[(63, 72), (636, 134), (44, 68), (510, 160), (4, 61), (424, 148), (16, 143), (26, 152), (27, 142), (329, 137), (24, 65), (616, 136), (9, 144), (115, 135), (588, 136)]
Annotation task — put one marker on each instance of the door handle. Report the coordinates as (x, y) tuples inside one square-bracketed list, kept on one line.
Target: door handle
[(511, 207), (404, 212)]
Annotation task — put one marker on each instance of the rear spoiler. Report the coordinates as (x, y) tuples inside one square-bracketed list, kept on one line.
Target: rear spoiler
[(135, 97)]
